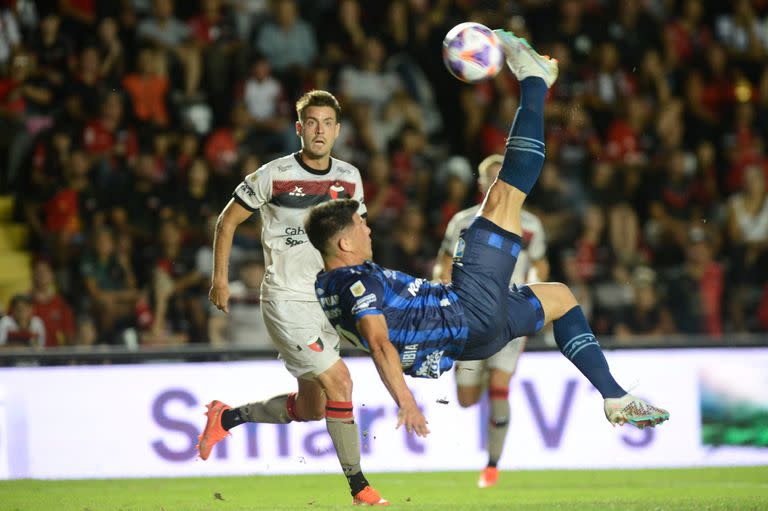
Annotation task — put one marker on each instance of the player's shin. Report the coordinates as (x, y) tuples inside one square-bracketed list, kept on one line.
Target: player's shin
[(524, 155), (498, 423), (276, 410), (346, 440), (576, 341)]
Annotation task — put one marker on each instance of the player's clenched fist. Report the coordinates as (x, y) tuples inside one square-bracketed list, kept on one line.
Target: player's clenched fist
[(219, 296), (413, 419)]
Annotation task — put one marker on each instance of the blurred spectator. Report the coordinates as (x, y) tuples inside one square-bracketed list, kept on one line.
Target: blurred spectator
[(214, 31), (110, 141), (112, 51), (25, 99), (50, 306), (179, 315), (384, 199), (695, 288), (367, 81), (194, 202), (147, 89), (21, 328), (226, 144), (741, 31), (87, 87), (270, 115), (289, 43), (10, 35), (647, 317), (143, 203), (110, 286), (243, 325), (54, 50), (173, 38), (343, 35), (748, 233)]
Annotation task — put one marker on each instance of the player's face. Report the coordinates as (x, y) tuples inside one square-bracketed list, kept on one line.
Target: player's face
[(360, 237), (318, 131)]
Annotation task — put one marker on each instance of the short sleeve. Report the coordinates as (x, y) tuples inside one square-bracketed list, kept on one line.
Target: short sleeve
[(255, 190), (358, 195), (362, 297)]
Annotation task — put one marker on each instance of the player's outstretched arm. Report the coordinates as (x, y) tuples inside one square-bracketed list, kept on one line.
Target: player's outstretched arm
[(233, 215), (374, 329)]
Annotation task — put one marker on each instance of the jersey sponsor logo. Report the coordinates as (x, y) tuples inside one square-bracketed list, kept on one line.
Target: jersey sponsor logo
[(413, 287), (363, 303), (294, 231), (315, 344), (409, 355), (298, 191), (430, 368), (357, 289), (284, 168)]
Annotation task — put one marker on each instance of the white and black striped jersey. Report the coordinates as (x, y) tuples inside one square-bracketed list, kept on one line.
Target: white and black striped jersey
[(283, 190)]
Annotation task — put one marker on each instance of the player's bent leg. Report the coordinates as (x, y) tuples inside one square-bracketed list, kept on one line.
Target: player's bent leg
[(342, 428), (576, 341), (502, 205), (309, 402), (470, 376)]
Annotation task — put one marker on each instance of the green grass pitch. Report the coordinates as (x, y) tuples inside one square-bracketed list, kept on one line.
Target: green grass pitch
[(742, 489)]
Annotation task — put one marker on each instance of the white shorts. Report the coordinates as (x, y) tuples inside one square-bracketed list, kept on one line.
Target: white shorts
[(474, 372), (307, 342)]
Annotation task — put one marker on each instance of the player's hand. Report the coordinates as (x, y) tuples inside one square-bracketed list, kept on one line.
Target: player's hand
[(413, 419), (219, 296)]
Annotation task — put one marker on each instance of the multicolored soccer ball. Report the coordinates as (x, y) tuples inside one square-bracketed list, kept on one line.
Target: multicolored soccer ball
[(472, 52)]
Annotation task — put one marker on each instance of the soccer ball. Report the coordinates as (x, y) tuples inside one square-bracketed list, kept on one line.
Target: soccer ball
[(472, 52)]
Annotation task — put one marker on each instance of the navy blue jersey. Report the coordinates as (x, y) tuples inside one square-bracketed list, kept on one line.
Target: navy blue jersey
[(426, 322)]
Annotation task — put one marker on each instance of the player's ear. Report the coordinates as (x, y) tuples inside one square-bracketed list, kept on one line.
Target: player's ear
[(299, 128)]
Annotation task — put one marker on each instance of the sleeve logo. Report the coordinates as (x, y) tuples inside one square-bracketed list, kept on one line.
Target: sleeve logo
[(357, 289)]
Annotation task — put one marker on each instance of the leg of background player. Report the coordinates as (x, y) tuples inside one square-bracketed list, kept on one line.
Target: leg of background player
[(498, 423)]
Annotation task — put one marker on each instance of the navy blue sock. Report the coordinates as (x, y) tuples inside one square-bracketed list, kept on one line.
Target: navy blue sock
[(578, 344), (524, 156)]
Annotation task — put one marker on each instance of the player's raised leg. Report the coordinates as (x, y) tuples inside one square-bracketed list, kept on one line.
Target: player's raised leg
[(576, 341), (524, 155)]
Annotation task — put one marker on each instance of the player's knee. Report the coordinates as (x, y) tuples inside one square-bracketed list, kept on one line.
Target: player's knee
[(565, 299), (467, 397)]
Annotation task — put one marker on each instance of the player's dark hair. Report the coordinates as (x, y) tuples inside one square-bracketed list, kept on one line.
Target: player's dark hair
[(317, 98), (328, 219)]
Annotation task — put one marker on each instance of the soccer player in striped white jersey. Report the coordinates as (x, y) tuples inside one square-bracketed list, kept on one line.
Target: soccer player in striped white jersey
[(282, 191), (494, 373)]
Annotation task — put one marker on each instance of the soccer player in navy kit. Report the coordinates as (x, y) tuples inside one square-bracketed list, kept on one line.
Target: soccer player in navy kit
[(411, 326)]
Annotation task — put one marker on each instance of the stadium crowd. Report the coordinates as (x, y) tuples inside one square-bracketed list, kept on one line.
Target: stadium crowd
[(126, 125)]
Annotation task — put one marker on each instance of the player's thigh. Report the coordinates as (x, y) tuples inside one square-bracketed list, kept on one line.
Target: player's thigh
[(525, 313), (306, 341), (503, 364), (502, 206)]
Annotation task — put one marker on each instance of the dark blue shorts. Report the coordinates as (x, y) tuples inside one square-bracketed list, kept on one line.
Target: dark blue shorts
[(495, 313)]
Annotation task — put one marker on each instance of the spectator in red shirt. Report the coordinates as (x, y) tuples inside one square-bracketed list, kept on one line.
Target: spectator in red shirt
[(228, 143), (50, 306), (109, 141), (20, 328)]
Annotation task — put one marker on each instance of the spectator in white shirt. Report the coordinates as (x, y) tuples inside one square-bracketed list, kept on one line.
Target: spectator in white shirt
[(20, 328)]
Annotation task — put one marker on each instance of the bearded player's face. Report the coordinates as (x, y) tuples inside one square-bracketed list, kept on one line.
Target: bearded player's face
[(318, 131)]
